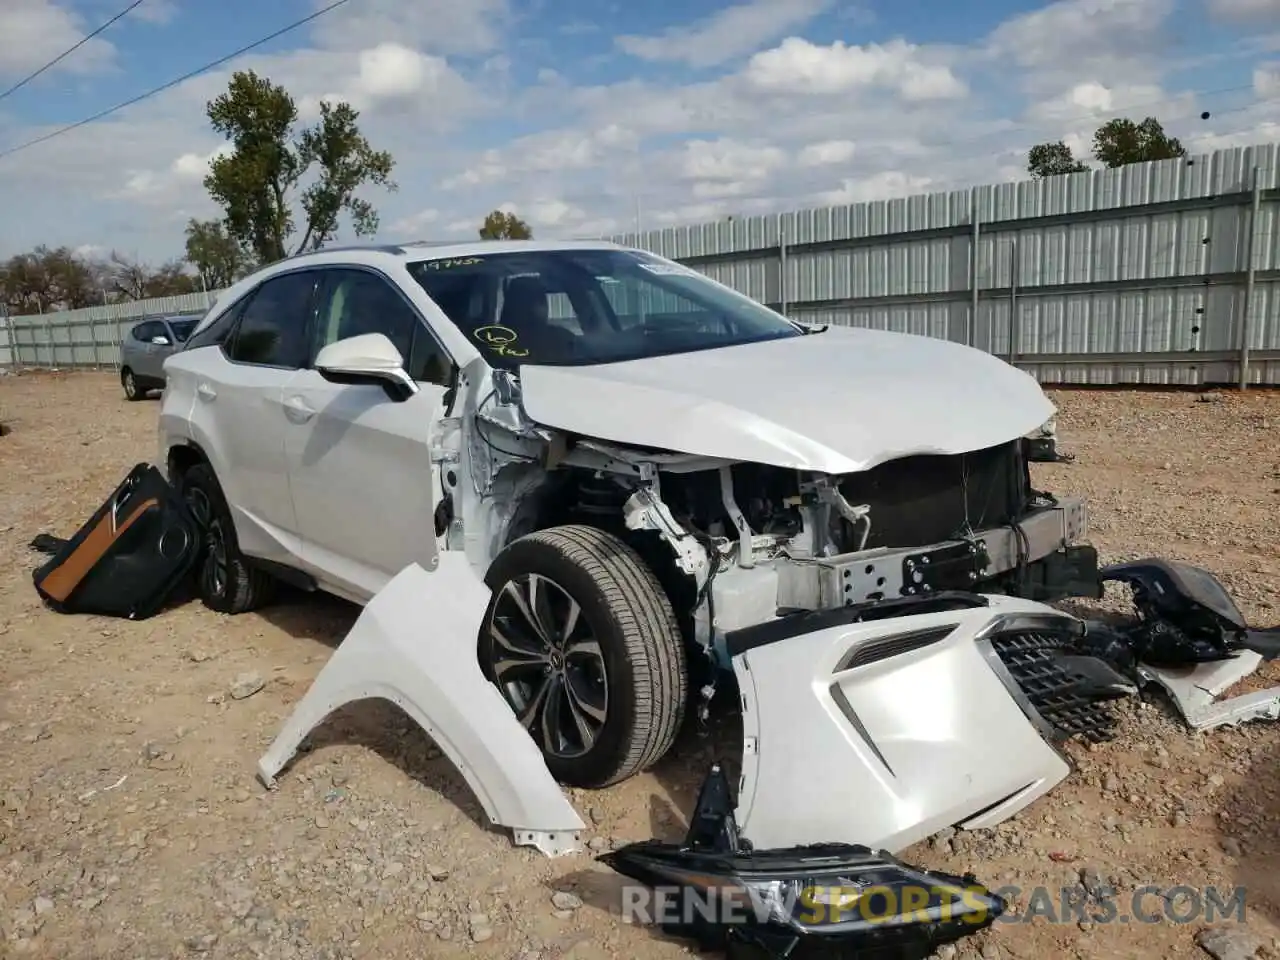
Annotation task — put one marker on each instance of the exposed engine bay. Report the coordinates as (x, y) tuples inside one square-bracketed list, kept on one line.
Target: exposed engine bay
[(737, 544)]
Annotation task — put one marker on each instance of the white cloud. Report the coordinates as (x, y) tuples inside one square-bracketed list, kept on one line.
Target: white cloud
[(827, 152), (479, 115), (391, 76), (881, 186), (1062, 41), (1266, 80), (729, 160), (798, 66), (1244, 10), (554, 213), (33, 32), (438, 26), (729, 33), (414, 224), (155, 11)]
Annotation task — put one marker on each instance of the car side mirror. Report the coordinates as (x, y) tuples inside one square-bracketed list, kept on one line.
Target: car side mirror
[(370, 358), (160, 340)]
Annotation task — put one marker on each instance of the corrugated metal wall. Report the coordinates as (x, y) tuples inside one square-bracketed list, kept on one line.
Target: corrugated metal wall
[(6, 350), (90, 337), (1139, 274)]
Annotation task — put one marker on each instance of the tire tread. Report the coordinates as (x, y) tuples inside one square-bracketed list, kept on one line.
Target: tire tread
[(651, 635)]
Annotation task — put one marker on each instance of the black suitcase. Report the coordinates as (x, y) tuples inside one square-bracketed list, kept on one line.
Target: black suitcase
[(127, 560)]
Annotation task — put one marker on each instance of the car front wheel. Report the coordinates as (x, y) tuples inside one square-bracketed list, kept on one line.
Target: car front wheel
[(130, 384), (582, 642)]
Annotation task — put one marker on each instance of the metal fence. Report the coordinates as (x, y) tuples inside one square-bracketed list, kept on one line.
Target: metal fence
[(1164, 273), (90, 337)]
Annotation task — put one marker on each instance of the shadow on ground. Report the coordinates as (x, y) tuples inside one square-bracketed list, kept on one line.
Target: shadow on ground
[(1247, 823), (319, 617), (374, 724)]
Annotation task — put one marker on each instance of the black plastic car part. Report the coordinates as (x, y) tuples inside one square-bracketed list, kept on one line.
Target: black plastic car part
[(826, 900), (1186, 616)]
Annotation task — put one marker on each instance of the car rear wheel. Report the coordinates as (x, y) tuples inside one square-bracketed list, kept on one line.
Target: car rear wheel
[(130, 383), (583, 644), (225, 580)]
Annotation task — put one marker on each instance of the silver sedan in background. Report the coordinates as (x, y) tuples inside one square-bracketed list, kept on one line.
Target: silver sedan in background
[(143, 351)]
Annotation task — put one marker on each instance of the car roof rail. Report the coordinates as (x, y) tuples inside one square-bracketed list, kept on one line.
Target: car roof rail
[(351, 248), (434, 243)]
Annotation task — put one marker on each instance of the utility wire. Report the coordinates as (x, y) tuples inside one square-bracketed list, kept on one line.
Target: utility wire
[(172, 83), (70, 50)]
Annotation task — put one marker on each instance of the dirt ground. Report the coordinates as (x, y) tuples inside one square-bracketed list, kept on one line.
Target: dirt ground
[(131, 825)]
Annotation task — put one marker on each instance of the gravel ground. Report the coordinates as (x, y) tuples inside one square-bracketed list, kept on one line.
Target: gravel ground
[(131, 824)]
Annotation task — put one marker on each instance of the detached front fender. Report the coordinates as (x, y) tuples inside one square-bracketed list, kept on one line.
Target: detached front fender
[(414, 645)]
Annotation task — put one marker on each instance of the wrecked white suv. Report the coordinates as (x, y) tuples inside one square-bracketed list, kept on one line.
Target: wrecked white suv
[(641, 462)]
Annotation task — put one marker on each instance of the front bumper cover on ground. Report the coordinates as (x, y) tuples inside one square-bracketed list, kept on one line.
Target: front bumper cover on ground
[(884, 732)]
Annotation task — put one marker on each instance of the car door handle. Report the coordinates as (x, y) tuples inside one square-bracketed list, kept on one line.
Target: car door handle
[(206, 392), (298, 410)]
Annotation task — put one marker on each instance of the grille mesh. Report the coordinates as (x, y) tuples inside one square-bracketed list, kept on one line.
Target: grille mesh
[(1031, 657)]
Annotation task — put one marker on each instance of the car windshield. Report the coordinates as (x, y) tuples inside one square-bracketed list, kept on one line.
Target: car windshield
[(182, 328), (577, 307)]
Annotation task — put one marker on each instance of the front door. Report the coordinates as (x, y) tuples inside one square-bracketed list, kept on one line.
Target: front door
[(359, 462)]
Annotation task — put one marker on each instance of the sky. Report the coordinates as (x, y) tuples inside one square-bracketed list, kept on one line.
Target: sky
[(590, 118)]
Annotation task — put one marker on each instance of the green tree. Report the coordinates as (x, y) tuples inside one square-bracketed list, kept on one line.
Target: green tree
[(1121, 141), (1052, 160), (129, 279), (217, 257), (255, 183), (49, 279), (500, 225)]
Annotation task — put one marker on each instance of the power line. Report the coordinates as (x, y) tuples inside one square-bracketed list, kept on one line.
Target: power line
[(70, 50), (172, 83)]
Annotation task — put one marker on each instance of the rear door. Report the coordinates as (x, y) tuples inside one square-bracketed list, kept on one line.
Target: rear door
[(359, 462), (239, 408)]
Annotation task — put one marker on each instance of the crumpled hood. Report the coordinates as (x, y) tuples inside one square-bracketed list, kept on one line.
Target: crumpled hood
[(834, 402)]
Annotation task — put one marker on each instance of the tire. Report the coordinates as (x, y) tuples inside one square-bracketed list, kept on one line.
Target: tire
[(132, 392), (637, 669), (225, 581)]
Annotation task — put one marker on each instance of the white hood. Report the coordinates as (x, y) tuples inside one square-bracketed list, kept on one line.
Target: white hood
[(835, 402)]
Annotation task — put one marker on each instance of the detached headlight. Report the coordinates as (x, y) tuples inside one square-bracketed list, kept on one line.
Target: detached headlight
[(715, 887), (827, 889)]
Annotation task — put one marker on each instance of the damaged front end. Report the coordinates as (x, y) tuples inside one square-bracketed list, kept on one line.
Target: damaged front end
[(933, 704), (746, 542), (794, 901)]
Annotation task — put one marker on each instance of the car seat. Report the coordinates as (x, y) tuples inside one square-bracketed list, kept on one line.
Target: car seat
[(525, 310)]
